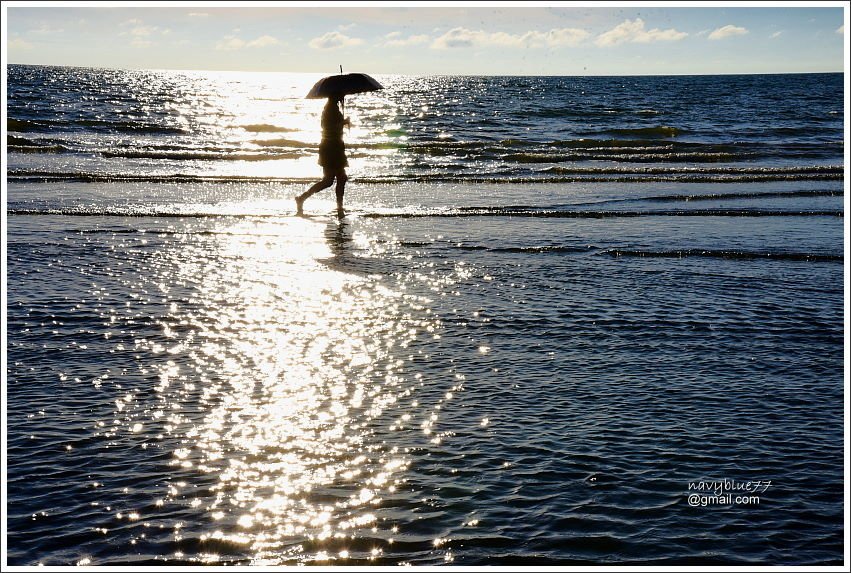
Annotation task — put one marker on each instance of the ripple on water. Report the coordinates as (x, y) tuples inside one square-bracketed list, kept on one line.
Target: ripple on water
[(265, 391)]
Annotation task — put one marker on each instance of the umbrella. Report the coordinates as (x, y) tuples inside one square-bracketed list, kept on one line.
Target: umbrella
[(343, 84)]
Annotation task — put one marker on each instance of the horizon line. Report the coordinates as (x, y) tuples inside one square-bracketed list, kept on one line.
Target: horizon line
[(427, 74)]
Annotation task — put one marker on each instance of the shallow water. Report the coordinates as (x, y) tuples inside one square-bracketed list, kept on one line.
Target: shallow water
[(284, 390), (458, 371)]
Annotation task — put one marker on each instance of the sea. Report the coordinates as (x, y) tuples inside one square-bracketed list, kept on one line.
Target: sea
[(562, 321)]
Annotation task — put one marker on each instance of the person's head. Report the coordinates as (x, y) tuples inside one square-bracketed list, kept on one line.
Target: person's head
[(337, 98)]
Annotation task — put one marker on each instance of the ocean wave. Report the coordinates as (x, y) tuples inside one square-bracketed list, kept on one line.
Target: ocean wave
[(37, 149), (749, 195), (28, 142), (659, 131), (581, 143), (612, 178), (570, 112), (24, 126), (616, 142), (786, 131), (643, 156), (543, 249), (790, 170), (188, 155), (266, 128), (723, 254), (686, 198), (129, 127), (624, 155), (620, 252), (16, 144), (602, 214), (585, 113), (283, 142), (624, 150), (24, 176), (136, 211), (627, 157), (464, 212)]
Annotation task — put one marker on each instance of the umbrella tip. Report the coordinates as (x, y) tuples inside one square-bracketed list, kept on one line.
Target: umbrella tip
[(341, 69)]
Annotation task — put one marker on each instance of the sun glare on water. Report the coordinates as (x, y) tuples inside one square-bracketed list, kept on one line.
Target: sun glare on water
[(293, 363), (267, 124)]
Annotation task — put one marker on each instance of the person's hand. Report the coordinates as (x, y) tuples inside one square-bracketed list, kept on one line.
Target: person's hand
[(347, 122)]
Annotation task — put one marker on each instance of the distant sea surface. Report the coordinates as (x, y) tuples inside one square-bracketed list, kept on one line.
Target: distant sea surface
[(556, 310)]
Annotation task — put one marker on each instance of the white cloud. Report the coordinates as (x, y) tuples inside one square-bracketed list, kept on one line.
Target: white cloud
[(18, 43), (46, 30), (555, 37), (841, 29), (727, 31), (776, 34), (143, 31), (263, 42), (464, 38), (459, 38), (395, 40), (633, 31), (230, 43), (198, 15), (333, 40), (142, 36)]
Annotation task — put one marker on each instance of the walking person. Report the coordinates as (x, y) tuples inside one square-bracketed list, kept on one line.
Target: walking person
[(332, 154), (332, 150)]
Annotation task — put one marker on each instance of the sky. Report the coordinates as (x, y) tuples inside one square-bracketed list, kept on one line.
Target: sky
[(435, 38)]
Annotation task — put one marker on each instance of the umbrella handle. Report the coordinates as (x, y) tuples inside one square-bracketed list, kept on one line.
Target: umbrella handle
[(343, 102)]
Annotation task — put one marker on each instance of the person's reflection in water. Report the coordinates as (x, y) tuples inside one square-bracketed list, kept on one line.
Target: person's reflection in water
[(351, 254), (338, 235)]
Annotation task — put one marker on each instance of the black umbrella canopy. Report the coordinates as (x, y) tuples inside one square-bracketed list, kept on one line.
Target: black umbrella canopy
[(343, 84)]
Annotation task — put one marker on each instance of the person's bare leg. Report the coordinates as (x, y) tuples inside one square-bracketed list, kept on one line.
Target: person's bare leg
[(326, 182), (341, 189)]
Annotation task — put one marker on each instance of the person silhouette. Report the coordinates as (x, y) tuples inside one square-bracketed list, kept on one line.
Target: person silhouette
[(332, 154)]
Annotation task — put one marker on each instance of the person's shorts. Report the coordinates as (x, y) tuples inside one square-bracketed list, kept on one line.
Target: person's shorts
[(332, 155)]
